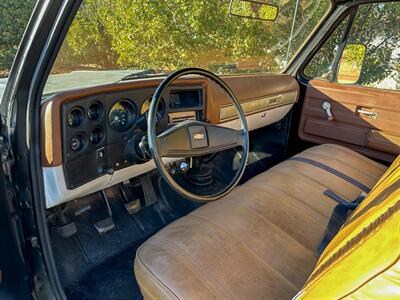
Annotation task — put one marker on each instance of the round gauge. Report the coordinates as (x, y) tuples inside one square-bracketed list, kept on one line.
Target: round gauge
[(122, 115), (96, 136), (95, 111), (146, 106), (76, 117)]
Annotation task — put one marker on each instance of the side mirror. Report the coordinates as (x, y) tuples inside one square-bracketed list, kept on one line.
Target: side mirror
[(253, 10), (351, 62)]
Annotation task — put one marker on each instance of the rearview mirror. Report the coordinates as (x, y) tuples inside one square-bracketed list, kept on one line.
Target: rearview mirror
[(253, 10), (351, 63)]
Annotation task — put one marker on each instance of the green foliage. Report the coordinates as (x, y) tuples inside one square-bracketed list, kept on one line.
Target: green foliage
[(350, 65), (321, 65), (376, 26), (170, 34), (14, 16), (166, 35), (254, 10)]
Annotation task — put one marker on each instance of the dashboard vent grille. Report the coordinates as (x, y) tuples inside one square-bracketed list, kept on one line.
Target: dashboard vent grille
[(177, 117)]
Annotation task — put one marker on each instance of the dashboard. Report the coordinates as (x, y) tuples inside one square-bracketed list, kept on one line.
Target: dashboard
[(91, 138)]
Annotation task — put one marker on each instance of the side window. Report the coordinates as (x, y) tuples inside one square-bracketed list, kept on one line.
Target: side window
[(320, 67), (364, 49)]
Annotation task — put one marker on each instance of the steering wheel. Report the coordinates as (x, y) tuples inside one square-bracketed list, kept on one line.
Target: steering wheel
[(192, 138)]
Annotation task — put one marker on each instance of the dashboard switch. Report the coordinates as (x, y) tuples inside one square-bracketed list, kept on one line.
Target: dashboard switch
[(100, 153)]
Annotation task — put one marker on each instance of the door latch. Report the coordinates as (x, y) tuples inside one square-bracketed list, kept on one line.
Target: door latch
[(326, 106)]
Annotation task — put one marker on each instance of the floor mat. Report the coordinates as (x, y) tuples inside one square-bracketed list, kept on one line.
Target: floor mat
[(114, 279), (93, 266)]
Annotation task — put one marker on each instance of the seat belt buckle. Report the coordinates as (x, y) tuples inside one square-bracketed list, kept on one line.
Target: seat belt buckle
[(348, 204)]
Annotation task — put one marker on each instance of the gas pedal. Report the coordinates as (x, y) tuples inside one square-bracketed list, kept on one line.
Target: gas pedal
[(126, 193), (133, 206), (148, 190)]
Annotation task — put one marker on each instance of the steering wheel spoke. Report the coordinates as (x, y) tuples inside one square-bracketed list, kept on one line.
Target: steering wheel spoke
[(194, 138)]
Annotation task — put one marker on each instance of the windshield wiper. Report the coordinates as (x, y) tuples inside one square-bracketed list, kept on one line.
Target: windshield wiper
[(144, 74)]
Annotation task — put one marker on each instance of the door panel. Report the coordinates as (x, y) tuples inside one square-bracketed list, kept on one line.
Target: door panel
[(364, 119)]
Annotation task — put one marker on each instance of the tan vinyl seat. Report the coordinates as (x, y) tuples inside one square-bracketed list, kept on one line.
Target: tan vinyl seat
[(260, 241)]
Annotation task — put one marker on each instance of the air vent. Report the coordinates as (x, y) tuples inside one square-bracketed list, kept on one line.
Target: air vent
[(177, 117)]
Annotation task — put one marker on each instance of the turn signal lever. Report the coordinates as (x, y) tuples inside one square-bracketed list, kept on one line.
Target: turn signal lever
[(137, 150), (144, 147)]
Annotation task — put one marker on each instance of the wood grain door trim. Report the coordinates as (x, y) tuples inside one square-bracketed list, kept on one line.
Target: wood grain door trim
[(345, 102)]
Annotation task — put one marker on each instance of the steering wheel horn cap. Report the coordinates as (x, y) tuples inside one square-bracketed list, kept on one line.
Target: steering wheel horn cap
[(198, 137)]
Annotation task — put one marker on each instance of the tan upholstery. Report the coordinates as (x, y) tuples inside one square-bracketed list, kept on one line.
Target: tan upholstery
[(260, 241)]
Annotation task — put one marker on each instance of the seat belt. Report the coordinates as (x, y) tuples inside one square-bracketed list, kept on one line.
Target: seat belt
[(339, 217), (350, 204), (337, 173), (343, 208)]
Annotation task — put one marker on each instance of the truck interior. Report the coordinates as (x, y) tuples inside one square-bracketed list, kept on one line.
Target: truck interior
[(226, 180)]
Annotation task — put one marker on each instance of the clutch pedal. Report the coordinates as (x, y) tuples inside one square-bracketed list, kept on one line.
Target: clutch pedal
[(107, 224)]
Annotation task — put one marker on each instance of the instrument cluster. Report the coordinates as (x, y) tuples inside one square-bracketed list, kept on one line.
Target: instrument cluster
[(102, 134)]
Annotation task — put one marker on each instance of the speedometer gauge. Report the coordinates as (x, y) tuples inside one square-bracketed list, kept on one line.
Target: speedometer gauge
[(122, 115), (160, 110)]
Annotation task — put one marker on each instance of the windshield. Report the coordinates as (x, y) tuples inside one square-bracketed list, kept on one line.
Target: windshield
[(111, 39)]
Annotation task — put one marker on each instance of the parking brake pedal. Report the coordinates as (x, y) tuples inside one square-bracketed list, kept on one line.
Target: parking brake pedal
[(107, 224), (67, 229)]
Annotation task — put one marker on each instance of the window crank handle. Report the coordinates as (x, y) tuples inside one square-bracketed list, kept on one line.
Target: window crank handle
[(326, 106)]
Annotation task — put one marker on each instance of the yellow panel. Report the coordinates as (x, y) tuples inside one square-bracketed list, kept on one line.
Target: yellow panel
[(362, 261)]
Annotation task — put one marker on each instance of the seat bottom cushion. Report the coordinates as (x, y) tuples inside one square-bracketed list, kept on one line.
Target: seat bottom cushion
[(260, 241)]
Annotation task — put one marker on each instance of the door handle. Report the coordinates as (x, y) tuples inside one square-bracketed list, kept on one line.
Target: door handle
[(368, 113)]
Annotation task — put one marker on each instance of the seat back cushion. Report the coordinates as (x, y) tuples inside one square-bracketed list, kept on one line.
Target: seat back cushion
[(362, 261)]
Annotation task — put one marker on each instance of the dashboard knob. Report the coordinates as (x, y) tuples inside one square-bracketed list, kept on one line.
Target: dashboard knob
[(77, 142), (183, 166)]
